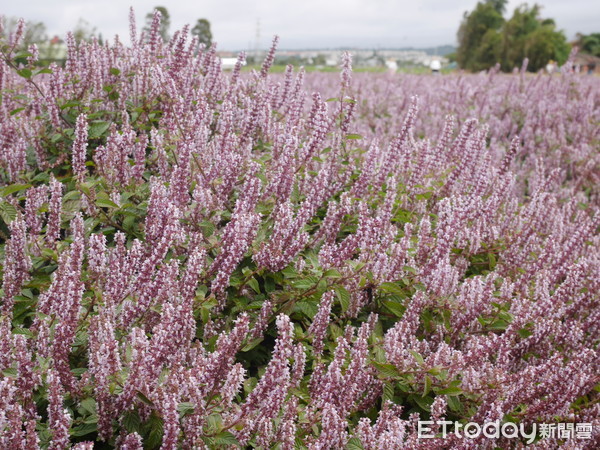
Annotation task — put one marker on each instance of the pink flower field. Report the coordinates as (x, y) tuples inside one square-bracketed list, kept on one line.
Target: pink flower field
[(198, 258)]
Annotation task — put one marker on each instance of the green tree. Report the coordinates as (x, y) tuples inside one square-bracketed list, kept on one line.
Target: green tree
[(498, 5), (165, 22), (202, 31), (486, 38), (35, 32), (527, 35), (474, 27), (589, 43), (84, 31)]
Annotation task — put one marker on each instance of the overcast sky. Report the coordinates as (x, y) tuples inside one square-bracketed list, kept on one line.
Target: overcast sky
[(300, 23)]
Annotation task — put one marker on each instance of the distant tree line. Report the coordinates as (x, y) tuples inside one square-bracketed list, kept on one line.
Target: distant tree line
[(589, 43), (485, 38), (36, 33), (201, 29)]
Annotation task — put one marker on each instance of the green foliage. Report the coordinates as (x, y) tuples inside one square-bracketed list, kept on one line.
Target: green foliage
[(526, 35), (202, 31), (589, 43), (486, 38), (35, 32), (475, 25)]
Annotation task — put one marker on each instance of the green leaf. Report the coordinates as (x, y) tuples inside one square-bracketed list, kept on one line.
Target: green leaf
[(97, 129), (427, 387), (309, 309), (132, 421), (156, 426), (185, 408), (417, 356), (387, 370), (253, 283), (25, 73), (7, 212), (450, 391), (343, 296), (89, 405), (392, 288), (10, 372), (332, 273), (11, 189), (84, 429), (207, 228), (115, 71), (144, 399), (492, 261), (524, 333), (16, 111), (410, 269), (499, 325), (226, 438), (423, 402), (23, 331), (353, 136), (253, 343), (354, 444), (395, 307), (106, 203), (454, 404), (305, 283)]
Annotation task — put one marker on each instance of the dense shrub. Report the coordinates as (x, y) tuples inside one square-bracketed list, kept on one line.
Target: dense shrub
[(205, 259)]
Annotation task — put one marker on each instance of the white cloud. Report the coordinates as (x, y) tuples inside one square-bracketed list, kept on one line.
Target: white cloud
[(308, 23)]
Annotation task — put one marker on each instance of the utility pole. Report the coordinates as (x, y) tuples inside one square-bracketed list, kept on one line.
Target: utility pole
[(257, 43)]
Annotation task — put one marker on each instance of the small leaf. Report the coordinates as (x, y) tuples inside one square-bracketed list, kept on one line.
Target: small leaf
[(84, 429), (524, 333), (388, 393), (156, 427), (207, 228), (25, 73), (185, 408), (332, 273), (392, 288), (253, 283), (144, 399), (427, 387), (226, 438), (343, 296), (387, 370), (10, 372), (11, 189), (354, 444), (394, 306), (423, 402), (253, 343), (450, 391), (417, 357), (7, 212), (89, 404), (305, 283), (105, 203), (132, 421), (97, 129)]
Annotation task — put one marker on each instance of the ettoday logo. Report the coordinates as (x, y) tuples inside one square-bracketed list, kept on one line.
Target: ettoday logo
[(428, 429)]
